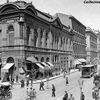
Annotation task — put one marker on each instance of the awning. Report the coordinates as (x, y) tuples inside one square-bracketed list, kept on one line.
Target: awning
[(50, 64), (5, 84), (76, 62), (38, 64), (32, 59), (46, 65), (82, 60), (21, 71), (7, 67), (89, 65)]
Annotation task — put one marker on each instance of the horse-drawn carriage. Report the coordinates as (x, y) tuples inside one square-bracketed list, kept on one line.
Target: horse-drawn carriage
[(5, 90)]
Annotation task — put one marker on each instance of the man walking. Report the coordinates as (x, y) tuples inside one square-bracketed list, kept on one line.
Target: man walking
[(82, 96), (67, 80), (42, 85), (53, 90), (71, 97), (65, 96)]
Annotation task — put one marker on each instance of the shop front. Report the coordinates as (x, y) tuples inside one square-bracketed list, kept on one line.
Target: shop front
[(7, 72)]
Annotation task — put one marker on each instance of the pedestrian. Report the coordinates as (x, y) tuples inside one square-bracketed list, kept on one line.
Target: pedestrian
[(12, 81), (53, 90), (67, 80), (95, 94), (27, 83), (65, 96), (71, 97), (32, 94), (42, 85), (17, 78), (22, 83), (64, 74), (82, 96)]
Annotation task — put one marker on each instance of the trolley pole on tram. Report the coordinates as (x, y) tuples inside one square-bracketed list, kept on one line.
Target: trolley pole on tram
[(80, 82)]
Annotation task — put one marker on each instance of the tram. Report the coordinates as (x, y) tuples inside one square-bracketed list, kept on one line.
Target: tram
[(88, 70)]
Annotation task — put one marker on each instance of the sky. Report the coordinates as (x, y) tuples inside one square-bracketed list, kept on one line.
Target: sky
[(88, 14)]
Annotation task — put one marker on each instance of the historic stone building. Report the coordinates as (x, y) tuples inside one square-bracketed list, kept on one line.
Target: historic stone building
[(79, 39), (27, 32), (98, 45), (91, 41)]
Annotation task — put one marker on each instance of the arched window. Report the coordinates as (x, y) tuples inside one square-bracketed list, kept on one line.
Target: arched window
[(10, 28), (10, 60), (47, 59), (28, 34), (10, 35), (36, 58), (42, 59)]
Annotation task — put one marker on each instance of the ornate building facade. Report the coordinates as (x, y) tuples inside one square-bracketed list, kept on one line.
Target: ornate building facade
[(91, 41), (79, 38), (98, 45), (27, 32), (79, 41)]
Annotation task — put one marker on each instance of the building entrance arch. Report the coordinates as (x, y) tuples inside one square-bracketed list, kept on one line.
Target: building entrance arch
[(10, 60)]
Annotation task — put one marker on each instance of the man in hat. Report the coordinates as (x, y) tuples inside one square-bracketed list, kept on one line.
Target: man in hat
[(65, 96), (32, 94)]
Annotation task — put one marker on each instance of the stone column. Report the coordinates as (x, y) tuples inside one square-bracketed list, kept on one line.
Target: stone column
[(49, 40), (44, 39), (38, 38), (59, 43), (71, 46), (68, 44), (32, 37)]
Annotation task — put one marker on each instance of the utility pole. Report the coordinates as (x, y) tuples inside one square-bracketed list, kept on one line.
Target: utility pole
[(7, 1)]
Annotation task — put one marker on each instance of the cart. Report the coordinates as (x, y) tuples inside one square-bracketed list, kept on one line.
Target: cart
[(5, 90)]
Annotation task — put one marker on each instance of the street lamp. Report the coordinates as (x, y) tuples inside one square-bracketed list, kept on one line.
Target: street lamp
[(47, 82), (80, 82)]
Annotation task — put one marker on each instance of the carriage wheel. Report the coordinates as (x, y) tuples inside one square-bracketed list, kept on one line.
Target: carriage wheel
[(9, 94)]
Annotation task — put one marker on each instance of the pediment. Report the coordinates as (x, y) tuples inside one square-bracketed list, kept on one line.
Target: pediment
[(31, 9), (57, 23), (8, 8)]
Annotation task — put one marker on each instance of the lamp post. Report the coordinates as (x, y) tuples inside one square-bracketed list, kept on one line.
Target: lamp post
[(80, 82)]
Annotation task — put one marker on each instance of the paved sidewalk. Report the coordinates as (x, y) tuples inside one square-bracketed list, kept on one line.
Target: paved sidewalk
[(51, 78), (46, 95)]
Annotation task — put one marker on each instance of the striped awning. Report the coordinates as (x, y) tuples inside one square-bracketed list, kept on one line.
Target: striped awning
[(49, 63), (39, 65), (7, 67), (46, 65)]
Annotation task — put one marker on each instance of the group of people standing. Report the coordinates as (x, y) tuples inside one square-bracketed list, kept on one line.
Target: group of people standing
[(42, 88), (66, 96), (32, 94)]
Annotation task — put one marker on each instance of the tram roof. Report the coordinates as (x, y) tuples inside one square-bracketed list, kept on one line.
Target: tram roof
[(90, 65)]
